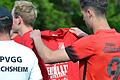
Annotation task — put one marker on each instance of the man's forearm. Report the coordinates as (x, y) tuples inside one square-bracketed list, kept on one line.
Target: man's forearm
[(47, 54), (42, 50)]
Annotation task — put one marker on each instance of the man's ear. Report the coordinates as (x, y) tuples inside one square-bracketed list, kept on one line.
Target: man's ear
[(90, 13), (18, 20)]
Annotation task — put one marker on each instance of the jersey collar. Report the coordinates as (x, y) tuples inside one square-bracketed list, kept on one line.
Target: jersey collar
[(106, 31), (58, 33)]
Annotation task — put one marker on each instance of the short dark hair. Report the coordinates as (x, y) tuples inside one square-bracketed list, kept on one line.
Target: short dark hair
[(6, 20), (100, 6)]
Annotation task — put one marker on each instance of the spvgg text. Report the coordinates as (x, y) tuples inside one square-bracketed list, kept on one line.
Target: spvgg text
[(13, 59)]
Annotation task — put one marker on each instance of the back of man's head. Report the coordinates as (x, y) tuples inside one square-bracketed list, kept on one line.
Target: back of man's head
[(26, 10), (99, 6), (5, 20)]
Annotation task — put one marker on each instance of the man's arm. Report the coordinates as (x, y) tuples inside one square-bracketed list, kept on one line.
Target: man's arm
[(45, 53)]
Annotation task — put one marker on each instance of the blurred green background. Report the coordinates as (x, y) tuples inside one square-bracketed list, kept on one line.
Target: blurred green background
[(53, 14)]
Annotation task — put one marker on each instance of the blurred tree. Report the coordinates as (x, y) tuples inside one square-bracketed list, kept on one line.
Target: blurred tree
[(53, 14), (51, 17), (7, 3), (113, 14)]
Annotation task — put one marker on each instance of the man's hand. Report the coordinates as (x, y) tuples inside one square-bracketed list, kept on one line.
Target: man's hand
[(78, 32), (35, 34)]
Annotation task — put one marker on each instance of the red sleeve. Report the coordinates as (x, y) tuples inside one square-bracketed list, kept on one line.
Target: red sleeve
[(82, 48)]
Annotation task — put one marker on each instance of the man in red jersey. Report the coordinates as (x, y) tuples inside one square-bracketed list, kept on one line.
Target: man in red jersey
[(24, 14), (101, 50)]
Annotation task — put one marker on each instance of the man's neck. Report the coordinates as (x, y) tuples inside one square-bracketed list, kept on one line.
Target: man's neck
[(101, 24), (4, 37), (24, 30)]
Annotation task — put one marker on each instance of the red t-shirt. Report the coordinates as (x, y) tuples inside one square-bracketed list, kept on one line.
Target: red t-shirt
[(102, 52), (28, 42), (59, 39)]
